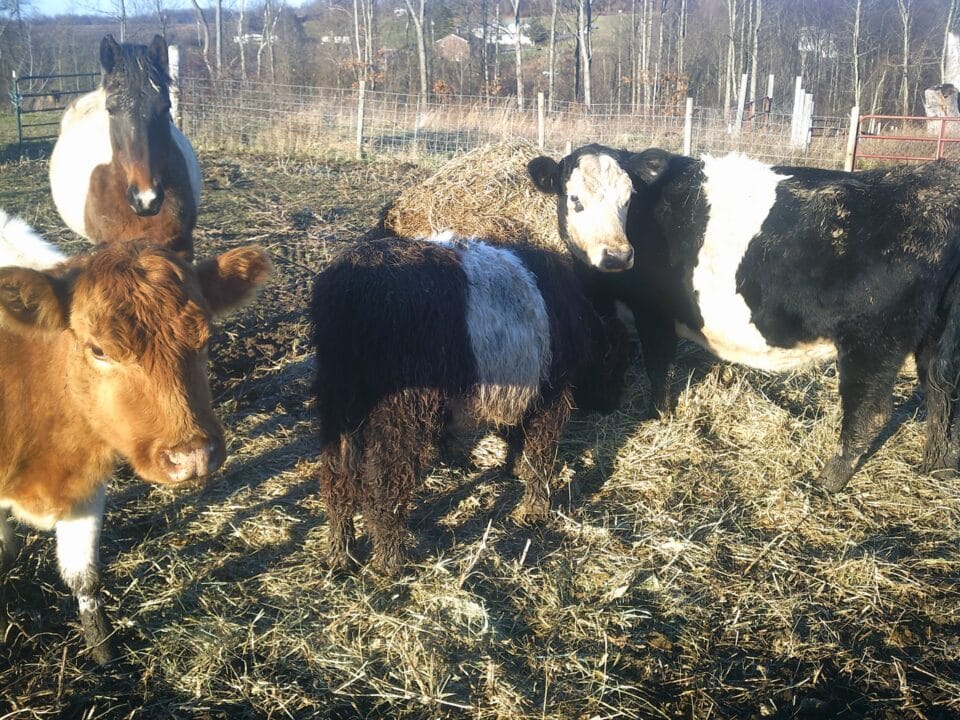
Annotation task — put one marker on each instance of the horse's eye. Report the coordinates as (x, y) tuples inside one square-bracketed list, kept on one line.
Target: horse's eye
[(577, 206)]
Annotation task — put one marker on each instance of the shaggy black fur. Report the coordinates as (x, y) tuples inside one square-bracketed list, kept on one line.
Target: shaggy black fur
[(396, 373)]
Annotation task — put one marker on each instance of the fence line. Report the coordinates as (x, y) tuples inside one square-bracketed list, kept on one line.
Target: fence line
[(289, 118)]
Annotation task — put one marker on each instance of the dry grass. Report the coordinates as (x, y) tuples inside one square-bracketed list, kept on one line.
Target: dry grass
[(485, 192), (690, 568)]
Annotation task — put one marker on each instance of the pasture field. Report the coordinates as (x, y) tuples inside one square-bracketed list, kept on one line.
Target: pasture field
[(690, 567)]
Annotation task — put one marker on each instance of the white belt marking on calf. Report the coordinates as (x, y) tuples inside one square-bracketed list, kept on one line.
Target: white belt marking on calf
[(740, 193), (509, 330), (84, 143)]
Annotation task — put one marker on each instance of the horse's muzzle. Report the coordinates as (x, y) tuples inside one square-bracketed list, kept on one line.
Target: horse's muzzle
[(145, 202)]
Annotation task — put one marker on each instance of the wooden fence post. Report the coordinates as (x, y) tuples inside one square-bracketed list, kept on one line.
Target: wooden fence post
[(688, 128), (363, 88), (850, 158), (541, 121)]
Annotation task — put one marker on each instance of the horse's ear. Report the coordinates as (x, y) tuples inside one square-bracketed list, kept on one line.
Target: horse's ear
[(158, 53), (109, 53)]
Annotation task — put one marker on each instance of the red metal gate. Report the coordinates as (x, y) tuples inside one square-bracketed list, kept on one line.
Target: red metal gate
[(903, 138)]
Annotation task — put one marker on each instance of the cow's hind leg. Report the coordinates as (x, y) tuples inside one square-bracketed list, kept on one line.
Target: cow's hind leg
[(541, 433), (339, 487), (866, 399), (398, 439), (78, 555), (938, 367)]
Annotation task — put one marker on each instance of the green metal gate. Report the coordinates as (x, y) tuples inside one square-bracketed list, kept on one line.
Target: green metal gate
[(38, 110)]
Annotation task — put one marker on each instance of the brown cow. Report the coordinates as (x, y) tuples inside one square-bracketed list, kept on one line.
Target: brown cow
[(104, 357)]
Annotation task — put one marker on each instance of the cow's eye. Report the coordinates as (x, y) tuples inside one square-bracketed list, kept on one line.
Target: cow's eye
[(575, 201), (97, 352)]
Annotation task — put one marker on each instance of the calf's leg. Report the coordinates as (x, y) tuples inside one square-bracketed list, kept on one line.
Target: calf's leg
[(866, 399), (542, 430), (78, 555), (339, 486), (397, 442)]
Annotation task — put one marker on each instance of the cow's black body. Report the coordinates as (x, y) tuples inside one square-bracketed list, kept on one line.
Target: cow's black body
[(864, 264)]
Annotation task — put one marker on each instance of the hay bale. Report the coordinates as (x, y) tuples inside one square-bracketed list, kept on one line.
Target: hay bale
[(486, 193)]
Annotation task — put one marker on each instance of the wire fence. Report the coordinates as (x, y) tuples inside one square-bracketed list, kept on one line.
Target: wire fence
[(313, 120)]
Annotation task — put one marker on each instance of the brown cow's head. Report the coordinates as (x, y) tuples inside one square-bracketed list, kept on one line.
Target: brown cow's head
[(133, 324)]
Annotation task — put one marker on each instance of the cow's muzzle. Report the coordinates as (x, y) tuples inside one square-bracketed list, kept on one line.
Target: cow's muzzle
[(195, 459)]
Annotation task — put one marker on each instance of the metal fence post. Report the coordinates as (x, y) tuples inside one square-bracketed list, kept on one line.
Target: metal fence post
[(688, 127)]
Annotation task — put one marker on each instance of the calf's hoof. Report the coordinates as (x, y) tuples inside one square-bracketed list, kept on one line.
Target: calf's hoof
[(389, 563), (835, 474), (96, 633), (533, 511)]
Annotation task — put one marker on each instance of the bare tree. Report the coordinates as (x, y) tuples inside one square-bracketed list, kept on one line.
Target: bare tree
[(951, 14), (681, 36), (730, 74), (417, 18), (218, 31), (242, 40), (584, 18), (202, 24), (517, 37), (857, 85), (552, 56), (906, 17), (755, 47)]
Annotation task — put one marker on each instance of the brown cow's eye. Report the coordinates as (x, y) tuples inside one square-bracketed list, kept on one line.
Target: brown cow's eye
[(97, 352)]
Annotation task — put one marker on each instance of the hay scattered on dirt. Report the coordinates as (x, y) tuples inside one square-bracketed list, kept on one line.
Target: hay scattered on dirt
[(486, 193)]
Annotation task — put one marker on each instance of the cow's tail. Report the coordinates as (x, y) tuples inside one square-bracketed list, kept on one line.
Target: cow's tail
[(942, 450)]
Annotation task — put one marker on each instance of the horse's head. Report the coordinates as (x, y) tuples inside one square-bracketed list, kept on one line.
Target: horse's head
[(136, 85)]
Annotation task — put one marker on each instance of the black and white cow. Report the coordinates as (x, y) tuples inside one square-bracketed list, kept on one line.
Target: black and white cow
[(420, 340), (777, 267)]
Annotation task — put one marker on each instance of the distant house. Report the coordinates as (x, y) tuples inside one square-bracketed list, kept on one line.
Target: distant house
[(335, 39), (503, 34), (453, 48), (399, 12)]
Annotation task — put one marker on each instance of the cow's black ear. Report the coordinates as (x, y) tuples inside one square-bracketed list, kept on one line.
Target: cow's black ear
[(109, 53), (649, 164), (545, 173)]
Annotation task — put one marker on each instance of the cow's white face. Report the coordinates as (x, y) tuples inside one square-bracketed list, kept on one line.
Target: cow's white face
[(593, 197), (597, 197)]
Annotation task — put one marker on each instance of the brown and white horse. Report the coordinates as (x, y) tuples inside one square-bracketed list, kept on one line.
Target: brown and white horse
[(120, 169)]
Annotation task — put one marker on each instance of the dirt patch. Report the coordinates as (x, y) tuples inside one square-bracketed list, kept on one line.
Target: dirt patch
[(690, 568)]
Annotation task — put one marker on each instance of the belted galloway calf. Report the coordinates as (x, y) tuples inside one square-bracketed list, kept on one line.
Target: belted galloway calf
[(777, 267), (418, 341), (103, 356)]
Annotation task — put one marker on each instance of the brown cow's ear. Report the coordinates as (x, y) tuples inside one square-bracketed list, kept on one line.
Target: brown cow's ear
[(545, 173), (31, 299), (233, 279)]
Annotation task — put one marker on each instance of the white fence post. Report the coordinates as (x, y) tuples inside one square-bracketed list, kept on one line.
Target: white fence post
[(807, 121), (541, 121), (852, 139), (363, 88), (741, 101), (797, 112), (173, 61), (688, 127)]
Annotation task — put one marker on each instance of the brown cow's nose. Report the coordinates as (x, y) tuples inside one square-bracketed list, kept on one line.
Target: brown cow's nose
[(197, 458)]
